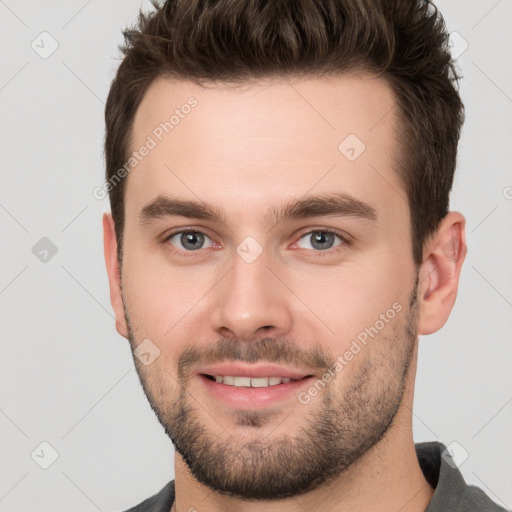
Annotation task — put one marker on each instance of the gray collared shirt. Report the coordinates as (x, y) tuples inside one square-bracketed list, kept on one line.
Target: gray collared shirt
[(452, 494)]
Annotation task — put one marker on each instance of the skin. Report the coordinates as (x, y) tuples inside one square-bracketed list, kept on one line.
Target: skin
[(247, 150)]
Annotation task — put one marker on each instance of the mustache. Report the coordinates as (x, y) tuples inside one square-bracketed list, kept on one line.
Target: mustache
[(273, 350)]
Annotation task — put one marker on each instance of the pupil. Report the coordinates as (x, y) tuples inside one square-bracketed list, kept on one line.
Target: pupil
[(192, 241), (321, 238)]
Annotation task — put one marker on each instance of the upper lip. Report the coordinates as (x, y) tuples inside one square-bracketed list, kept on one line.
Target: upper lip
[(252, 370)]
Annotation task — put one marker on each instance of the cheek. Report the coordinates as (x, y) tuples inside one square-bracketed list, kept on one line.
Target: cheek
[(350, 299), (160, 296)]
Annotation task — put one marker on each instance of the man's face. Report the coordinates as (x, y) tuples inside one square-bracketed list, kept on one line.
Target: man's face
[(270, 290)]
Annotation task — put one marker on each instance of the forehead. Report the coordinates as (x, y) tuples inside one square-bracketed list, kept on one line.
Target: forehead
[(274, 139)]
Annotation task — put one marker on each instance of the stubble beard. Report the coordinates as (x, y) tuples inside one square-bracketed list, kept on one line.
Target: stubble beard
[(341, 425)]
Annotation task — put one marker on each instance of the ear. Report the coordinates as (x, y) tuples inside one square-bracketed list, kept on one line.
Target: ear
[(114, 276), (443, 257)]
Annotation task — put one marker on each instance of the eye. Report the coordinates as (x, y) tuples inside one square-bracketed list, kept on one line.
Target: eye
[(189, 240), (320, 240)]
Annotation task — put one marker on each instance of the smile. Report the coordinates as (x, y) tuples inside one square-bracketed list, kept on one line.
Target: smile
[(249, 382)]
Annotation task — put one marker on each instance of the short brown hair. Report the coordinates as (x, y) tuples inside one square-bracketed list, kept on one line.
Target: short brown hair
[(237, 41)]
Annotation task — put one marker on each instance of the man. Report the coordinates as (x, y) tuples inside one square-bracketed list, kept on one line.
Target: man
[(279, 176)]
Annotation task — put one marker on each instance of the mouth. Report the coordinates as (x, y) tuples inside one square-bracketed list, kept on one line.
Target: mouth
[(249, 382), (251, 386)]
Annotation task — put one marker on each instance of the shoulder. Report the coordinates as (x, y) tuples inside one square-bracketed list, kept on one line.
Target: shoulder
[(451, 491), (159, 502), (474, 499)]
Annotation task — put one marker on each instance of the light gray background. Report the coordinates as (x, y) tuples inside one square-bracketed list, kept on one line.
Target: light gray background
[(67, 377)]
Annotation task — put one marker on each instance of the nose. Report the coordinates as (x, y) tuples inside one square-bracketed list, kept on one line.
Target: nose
[(251, 302)]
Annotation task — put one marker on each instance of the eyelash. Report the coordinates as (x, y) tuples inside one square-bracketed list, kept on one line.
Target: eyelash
[(345, 241)]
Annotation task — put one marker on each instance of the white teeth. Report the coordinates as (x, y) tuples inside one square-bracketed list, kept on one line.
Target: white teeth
[(242, 382), (248, 382), (261, 382)]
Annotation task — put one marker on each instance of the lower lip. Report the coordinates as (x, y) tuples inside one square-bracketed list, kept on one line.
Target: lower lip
[(250, 398)]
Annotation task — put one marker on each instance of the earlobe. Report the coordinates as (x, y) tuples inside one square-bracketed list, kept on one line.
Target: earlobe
[(444, 255), (114, 278)]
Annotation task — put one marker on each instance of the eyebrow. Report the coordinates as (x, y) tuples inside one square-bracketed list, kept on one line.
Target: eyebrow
[(334, 204)]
